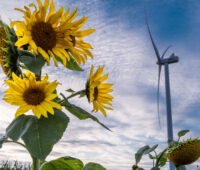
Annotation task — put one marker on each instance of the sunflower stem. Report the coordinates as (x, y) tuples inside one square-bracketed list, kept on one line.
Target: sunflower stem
[(36, 163), (72, 95)]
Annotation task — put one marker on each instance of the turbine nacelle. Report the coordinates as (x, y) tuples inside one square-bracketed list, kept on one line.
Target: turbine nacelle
[(172, 59)]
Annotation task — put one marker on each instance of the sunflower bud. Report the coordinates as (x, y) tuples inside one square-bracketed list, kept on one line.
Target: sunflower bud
[(134, 167), (185, 152), (8, 52)]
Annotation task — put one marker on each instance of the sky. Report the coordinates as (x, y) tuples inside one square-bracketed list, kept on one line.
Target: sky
[(121, 43)]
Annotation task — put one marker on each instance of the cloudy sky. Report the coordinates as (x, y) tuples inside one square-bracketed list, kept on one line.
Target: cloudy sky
[(122, 44)]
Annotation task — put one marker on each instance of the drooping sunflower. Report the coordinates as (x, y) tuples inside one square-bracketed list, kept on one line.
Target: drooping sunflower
[(28, 93), (53, 34), (97, 91), (185, 152), (8, 52)]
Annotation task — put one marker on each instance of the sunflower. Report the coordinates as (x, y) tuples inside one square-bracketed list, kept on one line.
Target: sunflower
[(52, 34), (28, 93), (185, 152), (97, 92), (8, 52)]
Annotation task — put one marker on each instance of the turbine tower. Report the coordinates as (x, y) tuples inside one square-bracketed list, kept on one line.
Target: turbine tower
[(161, 61)]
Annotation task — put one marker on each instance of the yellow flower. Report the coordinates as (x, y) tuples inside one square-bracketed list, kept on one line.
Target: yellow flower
[(28, 93), (8, 53), (185, 152), (52, 34), (97, 92)]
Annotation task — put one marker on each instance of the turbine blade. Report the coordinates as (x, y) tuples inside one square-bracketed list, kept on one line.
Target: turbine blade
[(165, 52), (152, 41), (158, 95)]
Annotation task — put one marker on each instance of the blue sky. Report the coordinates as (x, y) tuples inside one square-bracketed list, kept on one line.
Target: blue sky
[(122, 44)]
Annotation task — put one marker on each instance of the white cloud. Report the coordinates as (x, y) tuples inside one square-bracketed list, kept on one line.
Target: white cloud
[(128, 57)]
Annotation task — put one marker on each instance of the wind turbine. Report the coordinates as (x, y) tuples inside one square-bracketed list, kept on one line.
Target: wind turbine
[(161, 61)]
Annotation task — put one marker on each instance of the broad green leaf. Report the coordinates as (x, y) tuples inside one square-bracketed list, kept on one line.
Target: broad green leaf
[(163, 160), (43, 133), (140, 153), (181, 168), (72, 64), (70, 90), (33, 63), (2, 140), (64, 163), (93, 166), (18, 127), (182, 133), (151, 149), (80, 113)]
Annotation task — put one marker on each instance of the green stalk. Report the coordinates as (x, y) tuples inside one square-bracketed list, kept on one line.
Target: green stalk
[(73, 95), (36, 163)]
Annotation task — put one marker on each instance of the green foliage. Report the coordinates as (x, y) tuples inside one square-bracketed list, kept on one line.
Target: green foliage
[(72, 64), (182, 133), (163, 160), (70, 90), (151, 149), (140, 152), (39, 135), (2, 140), (80, 113), (64, 163), (43, 133), (32, 62), (18, 127), (93, 166), (155, 168)]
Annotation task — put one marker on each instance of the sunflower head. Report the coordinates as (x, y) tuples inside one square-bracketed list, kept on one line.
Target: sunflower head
[(53, 34), (8, 52), (30, 94), (185, 152), (97, 91)]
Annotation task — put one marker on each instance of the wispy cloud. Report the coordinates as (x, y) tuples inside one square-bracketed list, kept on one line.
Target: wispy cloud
[(129, 58)]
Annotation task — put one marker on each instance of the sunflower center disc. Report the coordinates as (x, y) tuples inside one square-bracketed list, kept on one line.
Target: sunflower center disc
[(33, 96), (95, 93), (44, 35)]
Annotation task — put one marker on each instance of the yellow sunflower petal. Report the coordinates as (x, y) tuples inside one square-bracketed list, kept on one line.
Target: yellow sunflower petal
[(44, 54)]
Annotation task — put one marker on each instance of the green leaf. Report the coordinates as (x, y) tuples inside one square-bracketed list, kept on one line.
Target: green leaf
[(181, 168), (82, 94), (33, 63), (18, 127), (70, 90), (43, 133), (140, 153), (163, 160), (155, 168), (151, 149), (64, 163), (151, 156), (80, 113), (72, 64), (93, 166), (182, 132), (2, 140)]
